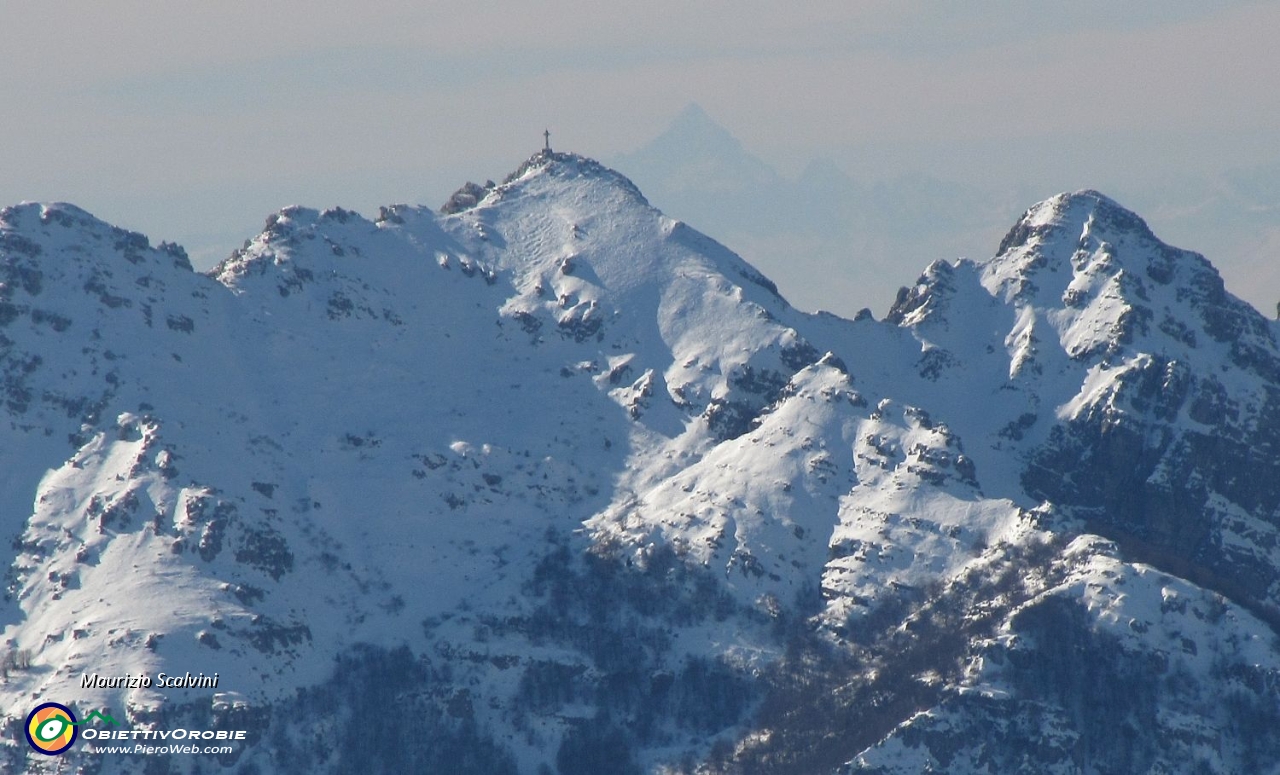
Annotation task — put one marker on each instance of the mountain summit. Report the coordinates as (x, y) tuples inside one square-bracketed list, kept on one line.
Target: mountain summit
[(558, 484), (695, 153)]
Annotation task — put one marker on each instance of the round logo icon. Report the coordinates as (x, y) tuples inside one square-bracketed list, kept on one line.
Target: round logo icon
[(51, 728)]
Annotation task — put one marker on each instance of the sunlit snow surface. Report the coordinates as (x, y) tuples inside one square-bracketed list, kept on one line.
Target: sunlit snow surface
[(360, 431)]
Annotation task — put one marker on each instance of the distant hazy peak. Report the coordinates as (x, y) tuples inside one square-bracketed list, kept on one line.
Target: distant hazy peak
[(697, 153), (694, 124)]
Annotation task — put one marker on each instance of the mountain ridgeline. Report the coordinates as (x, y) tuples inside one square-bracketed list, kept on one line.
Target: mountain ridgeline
[(549, 483)]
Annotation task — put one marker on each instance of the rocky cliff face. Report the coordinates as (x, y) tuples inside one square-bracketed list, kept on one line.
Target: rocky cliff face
[(561, 485)]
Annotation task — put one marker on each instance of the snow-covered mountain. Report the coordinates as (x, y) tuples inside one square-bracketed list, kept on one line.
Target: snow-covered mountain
[(549, 482), (831, 240)]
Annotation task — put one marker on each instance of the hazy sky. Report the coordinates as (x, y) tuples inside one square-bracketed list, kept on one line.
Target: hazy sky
[(191, 121)]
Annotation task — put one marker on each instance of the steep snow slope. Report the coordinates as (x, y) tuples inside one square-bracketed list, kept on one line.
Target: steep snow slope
[(1138, 392), (1148, 641), (564, 485), (1138, 402), (359, 427)]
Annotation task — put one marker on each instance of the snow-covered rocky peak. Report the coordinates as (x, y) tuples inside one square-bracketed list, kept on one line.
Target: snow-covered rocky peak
[(1110, 282), (1109, 365), (1061, 238), (31, 228), (556, 168), (1082, 271), (82, 305), (601, 500)]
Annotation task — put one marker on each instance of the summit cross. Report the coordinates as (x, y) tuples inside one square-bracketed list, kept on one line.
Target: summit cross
[(546, 137)]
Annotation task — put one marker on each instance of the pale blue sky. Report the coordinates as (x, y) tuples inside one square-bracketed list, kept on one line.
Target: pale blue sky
[(193, 121)]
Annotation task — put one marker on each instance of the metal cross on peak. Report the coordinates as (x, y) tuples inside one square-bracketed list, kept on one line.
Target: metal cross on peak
[(546, 136)]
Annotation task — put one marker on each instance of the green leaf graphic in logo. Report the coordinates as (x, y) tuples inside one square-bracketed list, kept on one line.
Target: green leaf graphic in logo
[(93, 714)]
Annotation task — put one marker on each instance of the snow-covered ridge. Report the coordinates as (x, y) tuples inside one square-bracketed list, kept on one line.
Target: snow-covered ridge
[(580, 471)]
